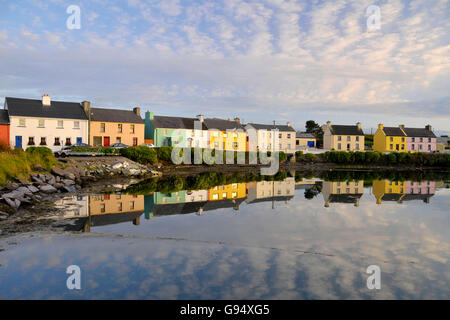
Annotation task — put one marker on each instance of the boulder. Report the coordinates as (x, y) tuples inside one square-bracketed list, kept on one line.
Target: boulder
[(58, 171), (117, 165), (12, 186), (69, 188), (36, 179), (58, 185), (25, 190), (68, 182), (13, 203), (16, 194), (69, 175), (33, 189), (47, 188)]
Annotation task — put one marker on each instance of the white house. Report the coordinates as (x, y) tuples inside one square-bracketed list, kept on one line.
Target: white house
[(272, 137), (53, 124)]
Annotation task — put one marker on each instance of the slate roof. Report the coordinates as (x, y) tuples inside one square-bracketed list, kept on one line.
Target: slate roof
[(4, 117), (416, 196), (338, 129), (393, 131), (258, 126), (305, 135), (270, 199), (419, 132), (175, 122), (221, 124), (177, 208), (113, 218), (115, 115), (34, 108), (392, 196), (344, 198)]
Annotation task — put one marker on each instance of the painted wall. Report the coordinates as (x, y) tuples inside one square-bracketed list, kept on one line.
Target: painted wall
[(341, 187), (115, 203), (422, 187), (228, 191), (342, 142), (111, 131), (4, 135), (382, 187), (228, 140), (183, 138), (303, 142), (420, 144), (50, 131)]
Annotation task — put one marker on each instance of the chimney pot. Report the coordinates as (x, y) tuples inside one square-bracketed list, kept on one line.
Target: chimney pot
[(87, 108), (289, 124), (201, 118), (428, 127), (237, 120), (358, 124), (137, 111), (329, 123), (401, 126), (149, 115), (380, 126)]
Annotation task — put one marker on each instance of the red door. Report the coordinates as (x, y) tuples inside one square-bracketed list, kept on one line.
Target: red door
[(106, 141)]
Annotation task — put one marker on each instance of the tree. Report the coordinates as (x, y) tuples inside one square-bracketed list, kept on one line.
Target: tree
[(312, 127)]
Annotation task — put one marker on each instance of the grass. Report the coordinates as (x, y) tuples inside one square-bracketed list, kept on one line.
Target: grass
[(19, 164)]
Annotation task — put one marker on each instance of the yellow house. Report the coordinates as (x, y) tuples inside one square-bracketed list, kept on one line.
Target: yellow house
[(389, 139), (343, 137), (385, 190), (226, 135), (342, 192), (227, 192), (110, 126)]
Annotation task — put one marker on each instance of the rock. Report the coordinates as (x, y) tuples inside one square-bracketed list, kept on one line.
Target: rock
[(3, 214), (23, 182), (33, 189), (69, 188), (47, 188), (58, 185), (36, 179), (58, 179), (25, 190), (12, 186), (117, 165), (68, 182), (69, 175), (16, 194), (58, 171), (13, 203), (52, 180)]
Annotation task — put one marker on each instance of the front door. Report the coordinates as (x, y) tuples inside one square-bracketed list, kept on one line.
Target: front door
[(79, 140), (18, 141), (311, 144), (106, 141)]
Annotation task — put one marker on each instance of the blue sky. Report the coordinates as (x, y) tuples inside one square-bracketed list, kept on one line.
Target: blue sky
[(261, 60)]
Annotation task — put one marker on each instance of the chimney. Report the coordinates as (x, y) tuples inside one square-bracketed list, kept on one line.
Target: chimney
[(274, 122), (46, 100), (428, 127), (201, 118), (289, 124), (329, 123), (149, 115), (87, 108), (380, 126), (137, 111), (237, 120), (401, 126), (358, 124)]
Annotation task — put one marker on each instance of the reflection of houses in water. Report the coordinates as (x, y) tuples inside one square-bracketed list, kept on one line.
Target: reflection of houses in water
[(342, 192), (385, 190), (73, 207), (260, 191), (195, 201)]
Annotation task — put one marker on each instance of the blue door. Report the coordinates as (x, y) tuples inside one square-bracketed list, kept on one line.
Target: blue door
[(311, 144), (79, 140), (18, 141)]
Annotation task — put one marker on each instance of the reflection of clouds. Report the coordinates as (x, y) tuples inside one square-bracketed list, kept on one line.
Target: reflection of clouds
[(390, 235)]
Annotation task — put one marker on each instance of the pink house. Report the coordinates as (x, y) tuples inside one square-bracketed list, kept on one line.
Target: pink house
[(420, 139), (422, 190)]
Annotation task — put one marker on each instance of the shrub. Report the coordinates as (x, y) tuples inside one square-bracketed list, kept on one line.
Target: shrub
[(298, 156), (165, 154), (43, 151), (140, 154), (310, 157), (282, 156)]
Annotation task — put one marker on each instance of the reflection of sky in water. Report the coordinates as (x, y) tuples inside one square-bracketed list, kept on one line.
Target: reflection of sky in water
[(231, 256)]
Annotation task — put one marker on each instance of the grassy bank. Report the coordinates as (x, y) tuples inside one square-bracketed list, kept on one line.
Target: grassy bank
[(19, 164)]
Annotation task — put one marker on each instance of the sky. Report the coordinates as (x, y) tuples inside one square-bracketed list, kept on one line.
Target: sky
[(259, 60)]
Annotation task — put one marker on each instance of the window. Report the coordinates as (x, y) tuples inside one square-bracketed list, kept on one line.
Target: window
[(280, 146), (391, 146), (118, 140), (68, 142), (216, 144), (403, 139), (289, 146), (297, 142), (97, 141), (235, 145), (412, 146), (119, 128), (234, 194), (102, 208), (413, 139), (357, 138), (421, 139), (41, 123), (225, 135), (429, 147), (31, 141), (215, 196), (349, 138), (339, 146), (76, 124), (347, 190), (43, 141), (403, 147), (357, 146), (289, 135), (391, 139), (119, 206), (135, 142), (131, 128), (429, 139), (339, 138), (102, 127), (60, 124), (22, 122), (132, 205), (224, 195), (57, 142), (420, 147)]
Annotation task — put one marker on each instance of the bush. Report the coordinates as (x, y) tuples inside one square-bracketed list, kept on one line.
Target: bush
[(298, 156), (43, 151), (310, 157), (282, 156), (140, 154), (165, 154)]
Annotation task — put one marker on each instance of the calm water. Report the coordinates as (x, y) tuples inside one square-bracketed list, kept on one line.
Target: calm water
[(307, 239)]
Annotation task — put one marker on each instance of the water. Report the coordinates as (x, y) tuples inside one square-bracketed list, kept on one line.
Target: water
[(304, 239)]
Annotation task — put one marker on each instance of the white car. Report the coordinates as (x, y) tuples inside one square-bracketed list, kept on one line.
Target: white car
[(150, 145)]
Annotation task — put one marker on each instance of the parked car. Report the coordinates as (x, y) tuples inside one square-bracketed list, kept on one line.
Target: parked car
[(150, 145), (81, 145), (119, 145), (68, 151)]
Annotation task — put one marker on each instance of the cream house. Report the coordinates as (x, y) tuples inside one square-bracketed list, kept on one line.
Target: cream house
[(343, 137), (52, 124), (271, 137)]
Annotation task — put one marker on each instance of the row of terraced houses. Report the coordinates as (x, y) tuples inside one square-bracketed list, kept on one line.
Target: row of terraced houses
[(54, 124)]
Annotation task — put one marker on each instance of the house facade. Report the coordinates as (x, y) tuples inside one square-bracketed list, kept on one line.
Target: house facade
[(261, 191), (389, 139), (4, 128), (272, 137), (110, 126), (399, 191), (226, 135), (53, 124), (342, 192), (176, 131), (304, 140), (420, 139), (343, 137)]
